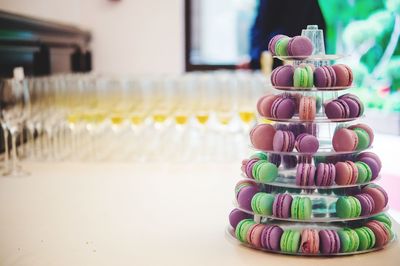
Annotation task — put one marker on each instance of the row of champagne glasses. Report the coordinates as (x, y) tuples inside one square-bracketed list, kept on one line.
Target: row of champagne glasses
[(146, 117)]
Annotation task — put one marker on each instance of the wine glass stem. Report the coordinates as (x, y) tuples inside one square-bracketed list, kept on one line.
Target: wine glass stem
[(6, 156), (14, 152)]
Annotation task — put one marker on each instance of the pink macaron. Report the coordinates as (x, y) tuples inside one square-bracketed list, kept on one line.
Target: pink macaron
[(379, 196), (344, 75), (344, 140), (264, 105), (307, 108), (346, 173), (262, 136), (253, 236)]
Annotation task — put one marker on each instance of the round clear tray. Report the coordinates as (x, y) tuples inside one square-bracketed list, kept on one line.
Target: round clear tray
[(230, 235), (324, 150), (289, 181), (327, 213), (317, 57), (293, 88), (318, 119)]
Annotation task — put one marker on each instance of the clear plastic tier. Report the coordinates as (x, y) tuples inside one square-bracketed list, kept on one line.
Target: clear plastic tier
[(288, 180), (311, 58), (230, 234), (318, 119), (314, 89), (325, 149), (323, 211)]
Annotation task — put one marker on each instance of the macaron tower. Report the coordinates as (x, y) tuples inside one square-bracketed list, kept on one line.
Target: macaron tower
[(309, 189)]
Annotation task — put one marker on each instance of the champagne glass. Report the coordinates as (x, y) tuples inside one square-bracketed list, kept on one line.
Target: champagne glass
[(15, 110)]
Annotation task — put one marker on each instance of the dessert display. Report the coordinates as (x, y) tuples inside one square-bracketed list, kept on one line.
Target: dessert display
[(309, 187)]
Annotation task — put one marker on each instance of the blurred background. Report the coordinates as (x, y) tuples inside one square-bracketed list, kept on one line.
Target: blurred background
[(130, 81)]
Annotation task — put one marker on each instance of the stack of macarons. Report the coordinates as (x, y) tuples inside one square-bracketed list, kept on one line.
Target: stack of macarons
[(298, 47), (346, 106), (282, 205), (306, 76), (338, 75), (372, 199), (309, 175), (266, 137), (282, 106), (352, 138), (373, 234)]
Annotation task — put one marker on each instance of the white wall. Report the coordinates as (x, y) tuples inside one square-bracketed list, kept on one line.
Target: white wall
[(129, 36)]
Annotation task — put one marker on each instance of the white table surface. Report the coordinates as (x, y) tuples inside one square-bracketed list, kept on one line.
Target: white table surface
[(132, 214)]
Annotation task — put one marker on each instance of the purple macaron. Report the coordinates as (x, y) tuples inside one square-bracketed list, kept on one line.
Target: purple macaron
[(324, 76), (306, 143), (282, 205), (367, 203), (329, 241), (337, 109), (373, 165), (371, 155), (271, 237), (245, 196), (326, 173), (236, 216), (356, 107), (283, 108), (300, 46), (283, 76)]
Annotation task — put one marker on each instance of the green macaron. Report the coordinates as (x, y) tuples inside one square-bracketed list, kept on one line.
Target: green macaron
[(260, 155), (281, 46), (310, 76), (348, 207), (290, 241), (242, 228), (300, 77), (349, 240), (261, 203), (384, 218), (366, 238), (363, 138), (301, 208), (255, 168), (364, 172), (266, 172)]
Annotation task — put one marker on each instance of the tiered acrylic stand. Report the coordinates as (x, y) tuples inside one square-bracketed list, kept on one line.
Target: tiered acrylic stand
[(323, 197)]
